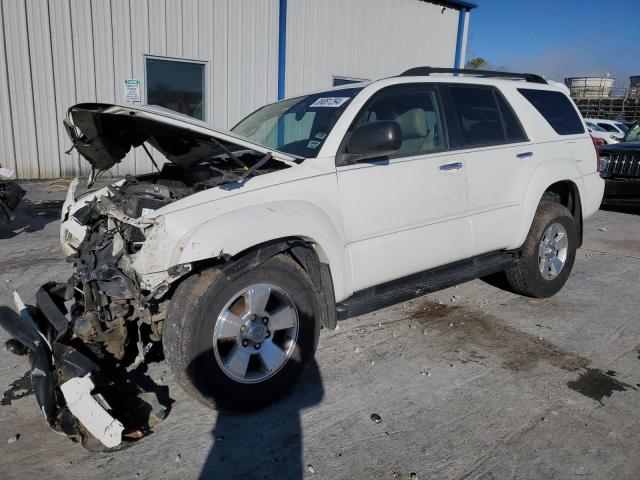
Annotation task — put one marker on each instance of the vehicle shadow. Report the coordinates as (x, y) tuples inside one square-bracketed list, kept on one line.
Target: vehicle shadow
[(631, 209), (266, 444), (31, 216)]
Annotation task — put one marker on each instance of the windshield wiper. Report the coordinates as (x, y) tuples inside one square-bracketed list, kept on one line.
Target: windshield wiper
[(256, 166), (239, 162)]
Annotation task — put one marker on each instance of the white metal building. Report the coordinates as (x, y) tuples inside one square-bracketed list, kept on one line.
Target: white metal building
[(213, 59)]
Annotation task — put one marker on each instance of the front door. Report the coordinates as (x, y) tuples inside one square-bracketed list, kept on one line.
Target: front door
[(405, 213)]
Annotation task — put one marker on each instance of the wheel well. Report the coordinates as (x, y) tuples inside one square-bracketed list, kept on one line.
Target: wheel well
[(566, 193), (306, 253)]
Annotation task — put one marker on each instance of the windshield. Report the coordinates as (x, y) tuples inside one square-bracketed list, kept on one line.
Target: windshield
[(298, 126), (633, 135), (622, 127), (594, 127)]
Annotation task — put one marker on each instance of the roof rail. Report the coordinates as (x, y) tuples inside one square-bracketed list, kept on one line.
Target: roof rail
[(426, 71)]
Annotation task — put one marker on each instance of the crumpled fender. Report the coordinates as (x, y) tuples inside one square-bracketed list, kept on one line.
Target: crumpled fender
[(234, 232)]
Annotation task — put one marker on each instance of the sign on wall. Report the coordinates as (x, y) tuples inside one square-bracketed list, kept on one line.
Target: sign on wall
[(132, 90)]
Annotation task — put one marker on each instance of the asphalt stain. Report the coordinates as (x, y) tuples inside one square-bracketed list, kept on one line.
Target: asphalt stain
[(597, 384), (18, 389), (519, 351)]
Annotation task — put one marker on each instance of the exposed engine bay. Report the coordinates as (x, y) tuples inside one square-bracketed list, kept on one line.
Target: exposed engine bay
[(89, 338), (111, 312)]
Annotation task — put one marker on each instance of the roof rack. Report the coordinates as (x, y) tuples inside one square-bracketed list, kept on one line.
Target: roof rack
[(426, 71)]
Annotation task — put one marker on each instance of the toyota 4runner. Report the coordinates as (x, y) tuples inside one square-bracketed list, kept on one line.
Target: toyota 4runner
[(242, 245)]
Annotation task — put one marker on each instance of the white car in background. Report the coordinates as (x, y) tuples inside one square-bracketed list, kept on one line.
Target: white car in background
[(612, 126), (599, 132)]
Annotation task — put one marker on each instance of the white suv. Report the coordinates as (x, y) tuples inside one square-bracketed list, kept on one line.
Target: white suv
[(316, 208)]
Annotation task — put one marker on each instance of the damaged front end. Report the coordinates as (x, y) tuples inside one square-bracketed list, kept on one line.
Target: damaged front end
[(84, 392), (87, 337), (90, 338)]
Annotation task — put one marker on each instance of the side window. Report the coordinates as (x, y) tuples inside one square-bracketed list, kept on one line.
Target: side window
[(176, 84), (416, 109), (512, 127), (607, 127), (484, 116), (556, 108)]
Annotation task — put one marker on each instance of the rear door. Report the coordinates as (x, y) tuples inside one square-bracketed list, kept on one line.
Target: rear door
[(499, 159), (405, 212)]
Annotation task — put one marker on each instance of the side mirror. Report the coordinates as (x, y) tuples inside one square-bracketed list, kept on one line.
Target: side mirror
[(375, 139)]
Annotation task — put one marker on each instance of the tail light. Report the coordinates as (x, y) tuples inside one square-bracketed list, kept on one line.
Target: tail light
[(596, 144)]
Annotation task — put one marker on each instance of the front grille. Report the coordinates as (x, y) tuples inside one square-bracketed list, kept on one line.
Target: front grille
[(620, 165)]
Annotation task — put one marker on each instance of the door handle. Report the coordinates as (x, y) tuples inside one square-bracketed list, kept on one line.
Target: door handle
[(524, 154), (451, 166)]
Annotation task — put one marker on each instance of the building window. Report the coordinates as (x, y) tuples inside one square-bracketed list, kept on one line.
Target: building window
[(177, 85), (337, 81)]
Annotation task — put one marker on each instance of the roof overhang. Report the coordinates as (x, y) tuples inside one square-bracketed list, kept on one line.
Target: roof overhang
[(459, 4)]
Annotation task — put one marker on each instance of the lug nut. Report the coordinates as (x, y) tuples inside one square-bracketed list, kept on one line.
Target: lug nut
[(245, 343), (243, 329), (254, 317), (268, 334), (257, 346), (265, 320)]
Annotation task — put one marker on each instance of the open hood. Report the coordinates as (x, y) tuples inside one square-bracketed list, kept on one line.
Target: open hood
[(104, 133)]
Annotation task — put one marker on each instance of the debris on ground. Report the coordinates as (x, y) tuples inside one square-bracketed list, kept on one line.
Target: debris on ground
[(14, 438), (310, 469), (375, 418), (602, 229)]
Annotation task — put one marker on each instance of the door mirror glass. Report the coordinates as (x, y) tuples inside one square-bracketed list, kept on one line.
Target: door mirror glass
[(375, 139)]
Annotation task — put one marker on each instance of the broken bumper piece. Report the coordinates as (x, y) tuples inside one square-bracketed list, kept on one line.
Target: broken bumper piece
[(103, 408), (93, 416)]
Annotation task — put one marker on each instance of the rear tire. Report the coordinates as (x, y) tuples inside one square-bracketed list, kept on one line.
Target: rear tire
[(547, 255), (266, 324)]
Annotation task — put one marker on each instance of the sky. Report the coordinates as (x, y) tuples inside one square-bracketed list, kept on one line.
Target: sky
[(561, 38)]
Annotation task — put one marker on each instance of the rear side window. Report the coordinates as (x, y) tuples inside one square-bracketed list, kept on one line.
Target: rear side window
[(557, 109), (484, 116)]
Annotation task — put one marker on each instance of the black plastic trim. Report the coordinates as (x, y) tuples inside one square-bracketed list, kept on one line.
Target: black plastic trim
[(428, 281), (426, 71)]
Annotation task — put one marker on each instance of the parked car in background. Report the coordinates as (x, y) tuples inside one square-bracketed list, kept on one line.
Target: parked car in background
[(620, 167), (602, 134), (612, 126)]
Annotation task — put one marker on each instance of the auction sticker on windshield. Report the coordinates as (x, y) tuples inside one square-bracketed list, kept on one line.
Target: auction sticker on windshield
[(331, 102)]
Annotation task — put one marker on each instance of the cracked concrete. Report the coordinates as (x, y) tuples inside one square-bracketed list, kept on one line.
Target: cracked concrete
[(486, 385)]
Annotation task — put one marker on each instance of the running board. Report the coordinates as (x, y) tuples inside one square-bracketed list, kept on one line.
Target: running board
[(418, 284)]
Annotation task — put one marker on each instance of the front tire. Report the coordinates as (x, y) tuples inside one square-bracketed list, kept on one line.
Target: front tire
[(241, 344), (547, 255)]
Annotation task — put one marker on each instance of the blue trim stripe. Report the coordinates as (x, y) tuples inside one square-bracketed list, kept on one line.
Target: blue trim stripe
[(282, 47), (461, 18)]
